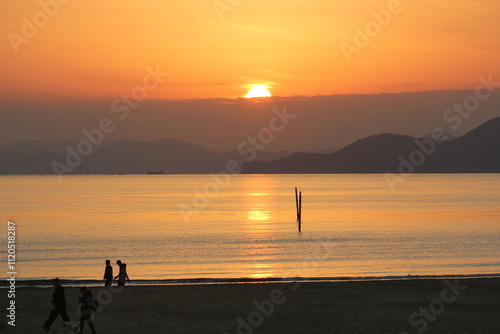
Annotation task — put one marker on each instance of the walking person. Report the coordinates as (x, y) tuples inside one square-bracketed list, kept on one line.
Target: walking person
[(59, 301), (87, 306), (122, 275), (108, 274)]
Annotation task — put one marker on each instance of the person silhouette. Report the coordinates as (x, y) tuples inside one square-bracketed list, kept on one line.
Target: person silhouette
[(122, 275), (108, 274), (87, 306), (59, 301)]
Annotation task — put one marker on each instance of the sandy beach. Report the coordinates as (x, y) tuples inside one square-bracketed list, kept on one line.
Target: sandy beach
[(434, 306)]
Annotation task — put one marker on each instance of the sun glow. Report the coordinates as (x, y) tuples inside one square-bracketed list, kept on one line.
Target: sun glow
[(258, 91)]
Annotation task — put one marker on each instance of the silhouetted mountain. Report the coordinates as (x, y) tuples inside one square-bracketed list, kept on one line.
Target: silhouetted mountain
[(168, 155), (261, 155), (119, 157), (476, 152)]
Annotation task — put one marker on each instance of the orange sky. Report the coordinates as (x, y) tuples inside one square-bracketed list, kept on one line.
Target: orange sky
[(94, 49)]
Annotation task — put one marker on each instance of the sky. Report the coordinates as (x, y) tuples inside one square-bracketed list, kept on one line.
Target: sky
[(94, 49), (70, 56)]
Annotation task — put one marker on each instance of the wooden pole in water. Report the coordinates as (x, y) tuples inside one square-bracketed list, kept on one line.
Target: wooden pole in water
[(297, 203), (300, 211)]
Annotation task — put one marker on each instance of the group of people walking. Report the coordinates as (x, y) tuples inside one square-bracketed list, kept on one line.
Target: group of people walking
[(87, 302)]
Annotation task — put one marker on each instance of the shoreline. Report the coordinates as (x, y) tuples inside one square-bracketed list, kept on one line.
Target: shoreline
[(449, 306), (47, 283)]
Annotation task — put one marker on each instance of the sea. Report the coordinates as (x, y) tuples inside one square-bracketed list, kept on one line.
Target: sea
[(190, 229)]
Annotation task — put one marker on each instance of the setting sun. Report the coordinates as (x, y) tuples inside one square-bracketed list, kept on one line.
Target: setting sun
[(258, 91)]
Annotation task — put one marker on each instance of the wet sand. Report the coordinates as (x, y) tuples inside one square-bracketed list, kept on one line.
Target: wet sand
[(464, 306)]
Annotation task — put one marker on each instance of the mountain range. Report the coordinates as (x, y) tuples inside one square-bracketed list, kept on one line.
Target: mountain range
[(167, 156), (475, 152)]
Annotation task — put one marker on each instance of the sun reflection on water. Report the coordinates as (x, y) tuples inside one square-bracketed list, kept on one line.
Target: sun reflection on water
[(259, 215), (261, 270), (260, 252), (257, 194)]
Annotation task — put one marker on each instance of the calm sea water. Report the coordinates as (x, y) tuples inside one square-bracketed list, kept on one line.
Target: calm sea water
[(353, 225)]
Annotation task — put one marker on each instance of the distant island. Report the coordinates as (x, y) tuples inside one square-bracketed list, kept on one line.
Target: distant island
[(475, 152)]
